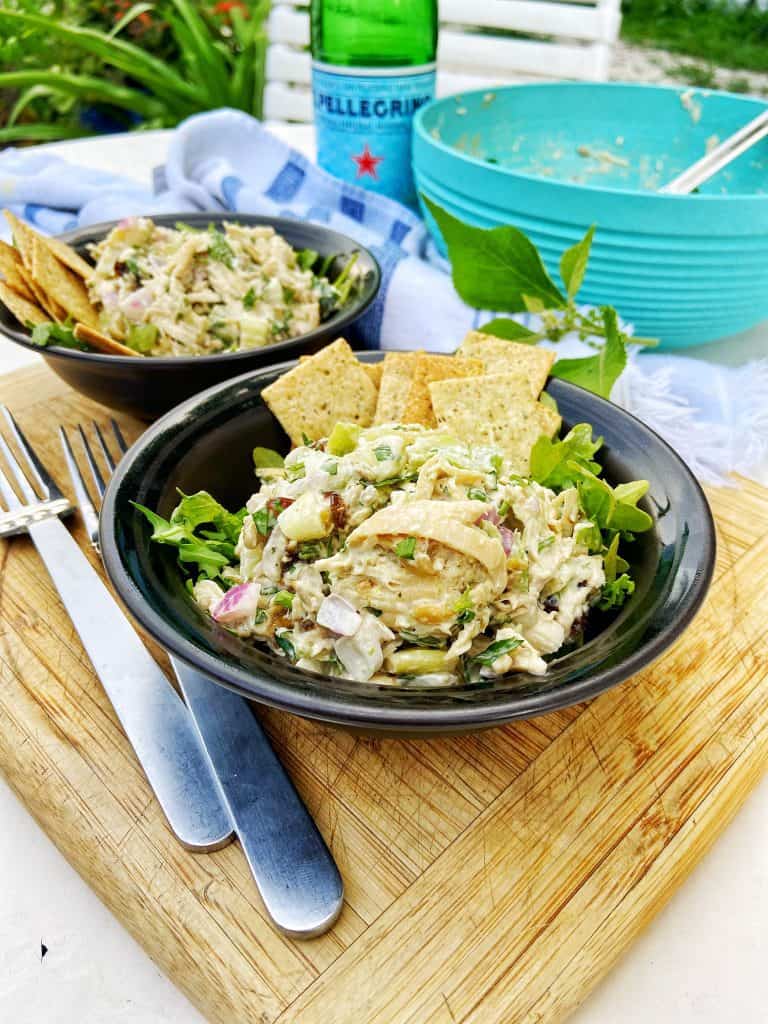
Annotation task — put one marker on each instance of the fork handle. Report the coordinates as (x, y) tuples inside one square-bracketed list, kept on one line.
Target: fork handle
[(293, 868), (155, 720)]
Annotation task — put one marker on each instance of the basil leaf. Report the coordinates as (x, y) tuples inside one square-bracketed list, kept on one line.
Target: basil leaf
[(509, 330), (267, 458), (496, 650), (597, 373), (496, 268), (573, 263), (284, 643)]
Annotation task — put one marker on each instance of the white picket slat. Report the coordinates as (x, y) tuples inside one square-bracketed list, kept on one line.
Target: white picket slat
[(583, 32)]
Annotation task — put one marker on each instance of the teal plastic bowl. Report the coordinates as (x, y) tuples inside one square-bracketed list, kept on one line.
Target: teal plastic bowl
[(553, 159)]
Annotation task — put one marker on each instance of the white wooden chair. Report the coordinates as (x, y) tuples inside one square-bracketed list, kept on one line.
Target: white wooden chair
[(566, 40)]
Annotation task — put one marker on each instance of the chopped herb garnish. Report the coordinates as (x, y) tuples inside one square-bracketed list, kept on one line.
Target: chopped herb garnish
[(464, 608), (305, 439), (497, 650), (249, 299), (383, 452), (296, 471), (259, 617), (476, 494), (133, 266), (394, 481), (406, 548), (496, 462), (284, 598), (284, 643), (289, 295), (331, 468), (219, 248), (504, 508), (422, 639), (546, 543), (265, 520)]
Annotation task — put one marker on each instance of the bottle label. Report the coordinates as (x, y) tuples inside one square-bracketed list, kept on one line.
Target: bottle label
[(363, 118)]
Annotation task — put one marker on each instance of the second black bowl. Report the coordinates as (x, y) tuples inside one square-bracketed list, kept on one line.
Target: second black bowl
[(148, 387)]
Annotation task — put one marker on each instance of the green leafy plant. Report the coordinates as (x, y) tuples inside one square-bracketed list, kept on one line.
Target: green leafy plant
[(500, 268), (208, 72)]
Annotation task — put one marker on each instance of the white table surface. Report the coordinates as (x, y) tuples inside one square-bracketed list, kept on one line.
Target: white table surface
[(701, 961)]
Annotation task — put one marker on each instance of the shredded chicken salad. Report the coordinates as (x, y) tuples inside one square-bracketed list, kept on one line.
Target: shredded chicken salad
[(182, 291), (397, 554)]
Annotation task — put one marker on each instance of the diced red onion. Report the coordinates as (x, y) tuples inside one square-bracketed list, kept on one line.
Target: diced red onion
[(339, 616), (238, 604), (491, 515), (135, 306), (507, 539)]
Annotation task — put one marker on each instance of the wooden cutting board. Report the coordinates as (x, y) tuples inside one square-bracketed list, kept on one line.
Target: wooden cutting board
[(490, 878)]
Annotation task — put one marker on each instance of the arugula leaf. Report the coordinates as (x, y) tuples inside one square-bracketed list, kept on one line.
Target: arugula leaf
[(267, 458), (612, 509), (510, 330), (496, 650), (211, 551), (55, 334), (597, 373), (614, 594), (552, 461), (573, 263), (498, 268), (306, 258)]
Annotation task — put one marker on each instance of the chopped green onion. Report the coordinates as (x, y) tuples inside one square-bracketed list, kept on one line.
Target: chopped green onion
[(497, 650), (249, 299), (383, 452)]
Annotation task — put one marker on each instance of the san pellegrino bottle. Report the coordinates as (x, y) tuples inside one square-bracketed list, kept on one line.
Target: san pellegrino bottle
[(373, 66)]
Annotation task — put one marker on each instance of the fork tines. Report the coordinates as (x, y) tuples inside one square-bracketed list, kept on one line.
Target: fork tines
[(99, 473), (28, 493)]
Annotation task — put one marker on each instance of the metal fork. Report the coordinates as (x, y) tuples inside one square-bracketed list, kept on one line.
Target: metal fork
[(293, 868), (155, 720)]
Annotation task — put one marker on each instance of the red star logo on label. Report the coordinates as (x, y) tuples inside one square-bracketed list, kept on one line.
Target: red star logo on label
[(367, 163)]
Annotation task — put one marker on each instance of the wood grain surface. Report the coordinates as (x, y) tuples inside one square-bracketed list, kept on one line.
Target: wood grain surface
[(490, 878)]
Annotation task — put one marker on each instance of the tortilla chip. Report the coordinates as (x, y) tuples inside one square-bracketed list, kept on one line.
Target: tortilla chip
[(500, 356), (374, 371), (22, 237), (312, 397), (12, 269), (102, 342), (24, 310), (61, 284), (68, 256), (396, 376), (494, 410), (429, 368)]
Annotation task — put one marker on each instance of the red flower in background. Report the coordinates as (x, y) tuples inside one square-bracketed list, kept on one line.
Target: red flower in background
[(225, 6)]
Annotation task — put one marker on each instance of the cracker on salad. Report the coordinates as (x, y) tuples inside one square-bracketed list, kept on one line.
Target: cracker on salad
[(496, 409), (26, 312), (500, 356), (428, 368), (374, 371), (61, 285), (329, 386), (396, 377)]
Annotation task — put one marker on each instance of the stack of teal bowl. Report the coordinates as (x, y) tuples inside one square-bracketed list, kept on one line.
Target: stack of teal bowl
[(553, 159)]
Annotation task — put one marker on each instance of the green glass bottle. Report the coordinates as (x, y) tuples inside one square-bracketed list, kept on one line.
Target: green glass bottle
[(373, 66)]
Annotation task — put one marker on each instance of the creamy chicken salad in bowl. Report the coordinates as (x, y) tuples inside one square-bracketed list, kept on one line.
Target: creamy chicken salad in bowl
[(413, 574)]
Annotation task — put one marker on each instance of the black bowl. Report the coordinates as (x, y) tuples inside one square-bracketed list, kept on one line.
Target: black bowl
[(148, 387), (206, 444)]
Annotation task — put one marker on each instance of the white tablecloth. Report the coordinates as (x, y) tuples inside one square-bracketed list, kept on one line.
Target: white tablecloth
[(701, 961)]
